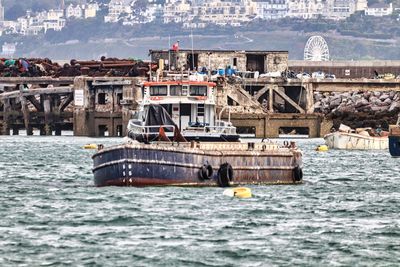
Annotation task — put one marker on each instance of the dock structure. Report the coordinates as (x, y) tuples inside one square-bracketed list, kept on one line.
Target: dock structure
[(256, 104), (40, 103), (87, 106), (268, 106), (103, 106)]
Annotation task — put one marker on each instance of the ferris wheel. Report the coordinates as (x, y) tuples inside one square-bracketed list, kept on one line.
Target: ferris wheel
[(316, 49)]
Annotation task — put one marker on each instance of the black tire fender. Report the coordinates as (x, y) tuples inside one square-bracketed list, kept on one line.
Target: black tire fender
[(298, 174), (205, 172), (225, 175)]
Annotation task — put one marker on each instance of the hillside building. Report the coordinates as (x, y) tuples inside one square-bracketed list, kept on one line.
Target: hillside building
[(117, 9), (272, 9), (379, 10)]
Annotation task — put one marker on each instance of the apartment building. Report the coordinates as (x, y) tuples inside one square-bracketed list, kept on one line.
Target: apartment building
[(306, 9), (330, 9), (232, 13), (340, 9), (177, 11), (272, 9)]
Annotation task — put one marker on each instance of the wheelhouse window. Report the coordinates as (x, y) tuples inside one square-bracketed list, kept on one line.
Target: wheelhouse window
[(198, 90), (175, 90), (158, 90)]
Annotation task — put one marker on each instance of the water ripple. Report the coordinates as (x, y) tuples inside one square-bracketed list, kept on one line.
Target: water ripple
[(346, 213)]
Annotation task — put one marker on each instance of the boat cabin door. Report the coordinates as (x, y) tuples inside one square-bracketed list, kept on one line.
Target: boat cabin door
[(186, 112), (176, 113)]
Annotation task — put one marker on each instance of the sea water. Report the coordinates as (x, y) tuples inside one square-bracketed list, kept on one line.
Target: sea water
[(345, 214)]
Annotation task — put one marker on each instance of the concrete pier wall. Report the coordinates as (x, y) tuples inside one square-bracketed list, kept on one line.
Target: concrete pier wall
[(102, 105)]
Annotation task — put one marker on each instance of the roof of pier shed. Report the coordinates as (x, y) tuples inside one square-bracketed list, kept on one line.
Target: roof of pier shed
[(219, 51)]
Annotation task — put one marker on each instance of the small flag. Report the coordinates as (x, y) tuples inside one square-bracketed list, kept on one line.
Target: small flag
[(175, 46)]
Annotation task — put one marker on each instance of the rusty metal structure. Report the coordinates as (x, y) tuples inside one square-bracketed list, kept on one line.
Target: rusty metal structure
[(109, 67)]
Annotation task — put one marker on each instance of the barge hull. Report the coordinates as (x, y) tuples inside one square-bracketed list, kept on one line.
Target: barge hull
[(152, 166)]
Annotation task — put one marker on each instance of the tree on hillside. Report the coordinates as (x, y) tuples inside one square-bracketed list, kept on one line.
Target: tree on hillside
[(14, 12), (372, 2)]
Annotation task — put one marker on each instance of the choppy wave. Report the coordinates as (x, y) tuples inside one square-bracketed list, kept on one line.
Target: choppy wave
[(346, 213)]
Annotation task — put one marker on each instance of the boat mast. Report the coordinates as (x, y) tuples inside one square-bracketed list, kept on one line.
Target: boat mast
[(169, 52)]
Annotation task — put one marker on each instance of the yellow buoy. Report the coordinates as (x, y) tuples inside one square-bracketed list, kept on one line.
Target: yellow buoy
[(322, 148), (239, 192), (90, 146)]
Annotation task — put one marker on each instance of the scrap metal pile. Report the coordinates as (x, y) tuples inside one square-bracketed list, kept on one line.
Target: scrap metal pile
[(106, 67)]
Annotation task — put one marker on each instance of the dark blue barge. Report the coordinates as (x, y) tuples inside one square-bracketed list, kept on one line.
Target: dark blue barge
[(197, 164)]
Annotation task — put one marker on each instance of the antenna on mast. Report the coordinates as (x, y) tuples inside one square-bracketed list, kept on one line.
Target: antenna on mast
[(191, 35)]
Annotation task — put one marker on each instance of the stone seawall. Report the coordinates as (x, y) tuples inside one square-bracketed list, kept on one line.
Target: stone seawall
[(359, 109)]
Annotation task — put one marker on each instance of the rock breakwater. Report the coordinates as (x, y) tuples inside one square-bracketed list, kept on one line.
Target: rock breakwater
[(359, 109)]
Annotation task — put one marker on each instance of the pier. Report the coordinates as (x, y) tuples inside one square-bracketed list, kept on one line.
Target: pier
[(263, 106), (86, 106)]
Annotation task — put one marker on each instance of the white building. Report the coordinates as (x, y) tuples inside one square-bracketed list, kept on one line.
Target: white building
[(9, 26), (73, 11), (177, 11), (227, 12), (8, 50), (340, 9), (116, 9), (306, 9), (379, 10), (31, 25), (81, 11), (56, 25), (141, 15), (272, 9), (54, 14)]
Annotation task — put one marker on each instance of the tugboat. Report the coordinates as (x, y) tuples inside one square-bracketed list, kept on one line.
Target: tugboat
[(158, 153), (394, 139), (187, 105)]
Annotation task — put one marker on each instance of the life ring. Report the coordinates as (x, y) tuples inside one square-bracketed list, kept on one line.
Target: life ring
[(225, 175), (298, 174), (205, 172)]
